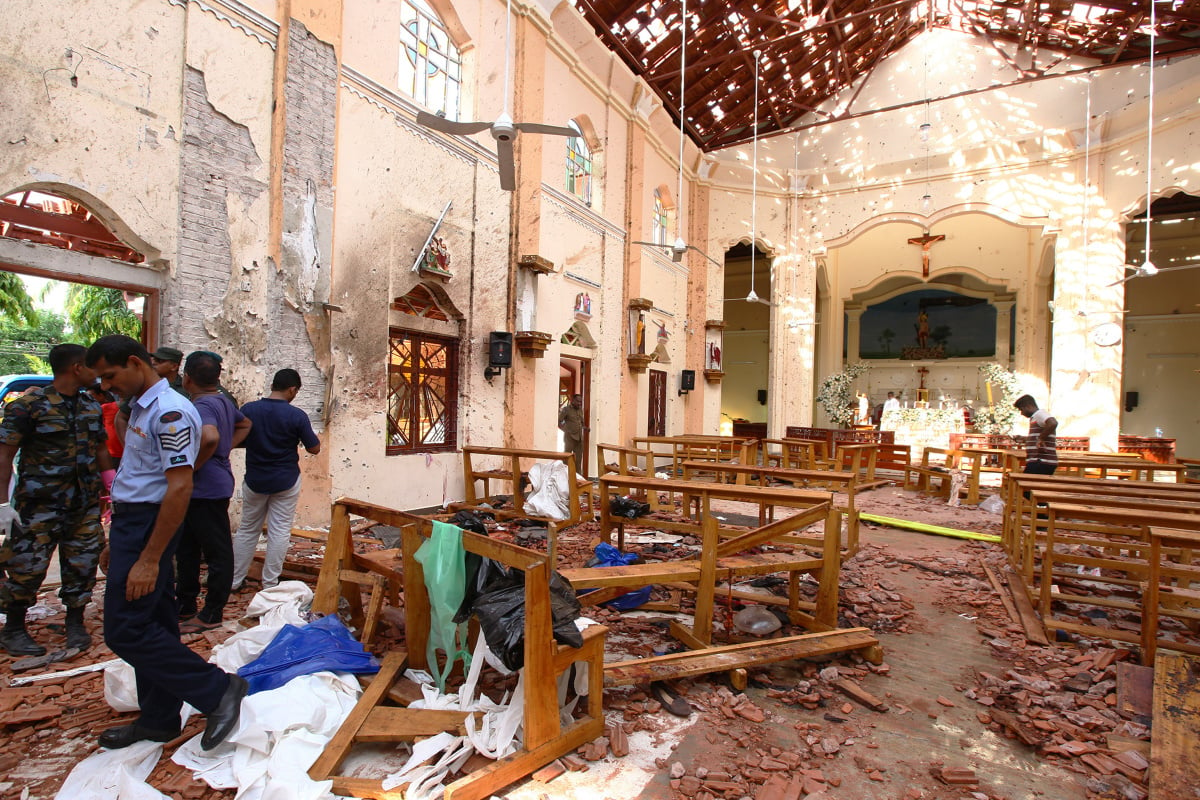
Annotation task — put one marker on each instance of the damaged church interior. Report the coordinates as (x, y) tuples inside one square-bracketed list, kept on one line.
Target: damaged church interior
[(763, 400)]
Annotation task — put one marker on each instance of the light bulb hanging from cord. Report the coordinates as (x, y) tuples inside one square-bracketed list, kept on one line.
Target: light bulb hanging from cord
[(1147, 268)]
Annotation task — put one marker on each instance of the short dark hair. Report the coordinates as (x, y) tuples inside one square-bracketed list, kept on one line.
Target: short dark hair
[(1025, 400), (116, 349), (64, 356), (204, 368), (286, 378)]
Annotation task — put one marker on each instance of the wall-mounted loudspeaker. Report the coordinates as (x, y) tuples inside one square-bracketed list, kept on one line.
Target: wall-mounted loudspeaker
[(1131, 401), (500, 349), (687, 380)]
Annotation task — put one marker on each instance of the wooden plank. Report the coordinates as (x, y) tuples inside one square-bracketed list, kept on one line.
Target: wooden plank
[(338, 550), (337, 747), (632, 575), (1030, 621), (1002, 590), (1135, 689), (1174, 768), (856, 692), (727, 657), (388, 724)]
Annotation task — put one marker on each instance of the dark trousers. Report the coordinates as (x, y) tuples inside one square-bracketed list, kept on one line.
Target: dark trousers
[(145, 632), (1039, 468), (205, 536)]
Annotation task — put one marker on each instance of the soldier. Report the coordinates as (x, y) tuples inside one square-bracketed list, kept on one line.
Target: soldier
[(59, 432)]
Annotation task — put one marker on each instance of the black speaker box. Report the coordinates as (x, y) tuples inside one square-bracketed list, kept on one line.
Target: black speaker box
[(500, 349), (687, 380)]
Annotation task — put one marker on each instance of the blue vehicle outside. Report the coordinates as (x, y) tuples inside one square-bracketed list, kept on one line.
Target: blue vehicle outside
[(14, 385)]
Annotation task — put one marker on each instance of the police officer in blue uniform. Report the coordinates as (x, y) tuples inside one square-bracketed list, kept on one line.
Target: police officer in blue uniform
[(150, 497)]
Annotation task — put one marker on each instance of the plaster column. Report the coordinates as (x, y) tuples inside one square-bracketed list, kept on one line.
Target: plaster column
[(1085, 378), (700, 277), (1003, 330), (533, 387), (795, 336), (853, 318), (632, 400)]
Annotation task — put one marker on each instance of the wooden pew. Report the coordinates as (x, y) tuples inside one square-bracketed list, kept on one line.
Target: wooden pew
[(1088, 537), (1172, 589), (695, 496), (515, 463), (545, 736), (696, 447), (921, 477), (752, 475), (724, 559), (795, 453)]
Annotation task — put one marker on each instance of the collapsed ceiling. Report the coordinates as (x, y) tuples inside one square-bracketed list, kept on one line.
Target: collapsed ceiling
[(812, 50)]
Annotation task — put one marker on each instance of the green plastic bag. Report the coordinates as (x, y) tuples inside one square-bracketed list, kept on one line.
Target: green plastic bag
[(442, 558)]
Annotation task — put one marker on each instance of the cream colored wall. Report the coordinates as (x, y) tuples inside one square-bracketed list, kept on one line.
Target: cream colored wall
[(1162, 359), (113, 140)]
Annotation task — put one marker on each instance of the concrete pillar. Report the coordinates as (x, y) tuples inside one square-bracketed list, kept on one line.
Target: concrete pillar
[(1085, 378), (1003, 330), (853, 318)]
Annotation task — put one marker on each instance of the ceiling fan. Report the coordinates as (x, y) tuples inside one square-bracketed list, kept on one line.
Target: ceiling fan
[(752, 296), (680, 247), (503, 130), (1147, 268)]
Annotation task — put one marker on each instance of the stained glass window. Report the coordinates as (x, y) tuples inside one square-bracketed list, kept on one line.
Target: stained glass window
[(430, 66), (579, 165), (422, 393), (658, 229)]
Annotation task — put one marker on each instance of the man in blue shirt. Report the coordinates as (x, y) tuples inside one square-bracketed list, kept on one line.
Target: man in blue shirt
[(272, 484), (149, 499), (205, 535)]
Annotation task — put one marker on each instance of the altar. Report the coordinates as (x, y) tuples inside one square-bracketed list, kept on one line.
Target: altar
[(923, 427)]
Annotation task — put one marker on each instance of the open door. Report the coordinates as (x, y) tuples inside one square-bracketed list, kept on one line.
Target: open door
[(656, 420), (575, 377)]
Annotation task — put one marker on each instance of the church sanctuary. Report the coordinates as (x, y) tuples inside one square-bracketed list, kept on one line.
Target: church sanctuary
[(761, 400)]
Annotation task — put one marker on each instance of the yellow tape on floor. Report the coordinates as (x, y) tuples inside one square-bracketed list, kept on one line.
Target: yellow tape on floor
[(926, 528)]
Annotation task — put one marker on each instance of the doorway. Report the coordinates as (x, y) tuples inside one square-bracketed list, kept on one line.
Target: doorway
[(575, 377), (656, 417)]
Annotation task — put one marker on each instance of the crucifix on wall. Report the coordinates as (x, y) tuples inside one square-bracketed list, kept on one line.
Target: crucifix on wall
[(926, 242)]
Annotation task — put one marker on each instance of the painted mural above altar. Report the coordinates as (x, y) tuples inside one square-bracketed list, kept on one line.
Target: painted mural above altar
[(928, 324)]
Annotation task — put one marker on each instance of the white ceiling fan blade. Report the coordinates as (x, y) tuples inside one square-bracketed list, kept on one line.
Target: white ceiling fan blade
[(706, 255), (450, 126), (508, 173), (537, 127)]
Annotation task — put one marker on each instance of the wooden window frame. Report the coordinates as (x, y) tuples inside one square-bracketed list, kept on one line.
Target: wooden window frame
[(450, 403)]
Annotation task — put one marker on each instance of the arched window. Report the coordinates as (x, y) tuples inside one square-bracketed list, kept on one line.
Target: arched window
[(430, 66), (579, 165), (661, 220)]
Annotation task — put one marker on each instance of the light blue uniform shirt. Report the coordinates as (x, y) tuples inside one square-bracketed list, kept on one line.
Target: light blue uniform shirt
[(164, 432)]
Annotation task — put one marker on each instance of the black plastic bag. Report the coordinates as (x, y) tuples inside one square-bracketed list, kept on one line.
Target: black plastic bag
[(481, 573), (625, 506), (469, 521), (501, 612)]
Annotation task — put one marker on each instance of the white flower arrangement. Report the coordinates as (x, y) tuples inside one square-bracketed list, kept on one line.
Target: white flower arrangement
[(1000, 415), (836, 394)]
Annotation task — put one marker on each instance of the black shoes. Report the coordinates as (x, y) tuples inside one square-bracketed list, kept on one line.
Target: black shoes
[(223, 719), (116, 738), (77, 635), (16, 641)]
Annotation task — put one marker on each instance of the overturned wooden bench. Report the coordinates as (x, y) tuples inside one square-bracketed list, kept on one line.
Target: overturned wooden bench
[(727, 561)]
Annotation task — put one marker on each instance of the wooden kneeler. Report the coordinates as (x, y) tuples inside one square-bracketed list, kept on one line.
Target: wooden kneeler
[(544, 737)]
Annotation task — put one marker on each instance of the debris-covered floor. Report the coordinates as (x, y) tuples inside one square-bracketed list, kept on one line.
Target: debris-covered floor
[(963, 706)]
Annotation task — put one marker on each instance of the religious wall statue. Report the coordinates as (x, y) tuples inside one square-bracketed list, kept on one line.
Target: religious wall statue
[(922, 327), (714, 356), (437, 257)]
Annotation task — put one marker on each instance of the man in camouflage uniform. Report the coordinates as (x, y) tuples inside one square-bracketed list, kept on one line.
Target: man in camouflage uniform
[(59, 433)]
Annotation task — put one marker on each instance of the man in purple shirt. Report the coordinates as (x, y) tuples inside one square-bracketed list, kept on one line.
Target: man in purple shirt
[(272, 484), (205, 533)]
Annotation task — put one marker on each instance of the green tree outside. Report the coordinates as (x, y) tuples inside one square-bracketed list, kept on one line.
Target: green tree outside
[(95, 311)]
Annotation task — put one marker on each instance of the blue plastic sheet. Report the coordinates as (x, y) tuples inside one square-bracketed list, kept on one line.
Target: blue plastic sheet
[(609, 556), (322, 645)]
